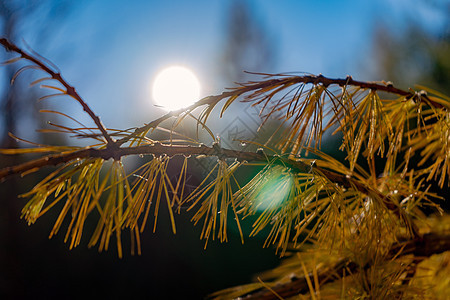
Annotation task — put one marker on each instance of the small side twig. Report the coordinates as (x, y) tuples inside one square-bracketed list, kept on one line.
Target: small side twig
[(70, 90)]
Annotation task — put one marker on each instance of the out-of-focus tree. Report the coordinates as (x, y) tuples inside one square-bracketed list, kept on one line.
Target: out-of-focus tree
[(415, 54), (18, 19), (248, 46), (18, 112)]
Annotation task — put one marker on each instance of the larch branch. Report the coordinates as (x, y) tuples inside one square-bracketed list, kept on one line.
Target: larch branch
[(287, 81), (159, 149), (70, 90), (429, 244)]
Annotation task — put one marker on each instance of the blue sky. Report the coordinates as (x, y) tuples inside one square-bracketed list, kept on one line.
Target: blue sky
[(111, 50)]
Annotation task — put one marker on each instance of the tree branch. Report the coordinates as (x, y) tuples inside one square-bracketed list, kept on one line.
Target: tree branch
[(283, 81), (159, 149), (429, 244), (156, 149), (70, 90)]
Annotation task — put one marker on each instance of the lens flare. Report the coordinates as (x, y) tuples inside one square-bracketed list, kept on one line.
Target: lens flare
[(275, 188)]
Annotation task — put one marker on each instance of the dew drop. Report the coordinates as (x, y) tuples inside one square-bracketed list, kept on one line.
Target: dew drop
[(313, 163), (243, 144), (141, 155)]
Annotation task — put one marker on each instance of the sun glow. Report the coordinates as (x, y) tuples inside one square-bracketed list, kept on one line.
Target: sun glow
[(175, 87)]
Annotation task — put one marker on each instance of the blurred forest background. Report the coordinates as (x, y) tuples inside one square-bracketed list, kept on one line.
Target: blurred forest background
[(405, 43)]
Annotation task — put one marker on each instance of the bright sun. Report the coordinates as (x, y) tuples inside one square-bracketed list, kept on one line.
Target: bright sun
[(175, 87)]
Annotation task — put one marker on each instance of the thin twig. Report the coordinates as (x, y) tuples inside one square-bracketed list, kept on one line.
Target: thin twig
[(156, 149), (70, 90)]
